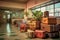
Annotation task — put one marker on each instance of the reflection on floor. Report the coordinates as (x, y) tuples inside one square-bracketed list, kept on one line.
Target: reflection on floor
[(10, 32), (6, 32)]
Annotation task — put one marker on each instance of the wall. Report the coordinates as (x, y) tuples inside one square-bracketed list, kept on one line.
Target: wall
[(12, 5), (32, 3)]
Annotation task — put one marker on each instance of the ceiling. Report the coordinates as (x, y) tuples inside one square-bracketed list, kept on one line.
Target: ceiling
[(16, 1), (10, 9)]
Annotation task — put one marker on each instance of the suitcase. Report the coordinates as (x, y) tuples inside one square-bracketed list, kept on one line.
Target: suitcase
[(53, 34), (49, 21), (23, 27), (48, 28), (39, 33), (46, 14)]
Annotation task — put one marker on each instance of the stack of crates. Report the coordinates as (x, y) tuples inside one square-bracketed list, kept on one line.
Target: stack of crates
[(48, 24)]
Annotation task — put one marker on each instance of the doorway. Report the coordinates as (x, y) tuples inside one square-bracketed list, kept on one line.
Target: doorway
[(8, 18)]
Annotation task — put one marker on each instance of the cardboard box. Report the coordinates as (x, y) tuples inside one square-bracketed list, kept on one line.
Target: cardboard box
[(49, 28), (30, 34), (58, 20), (49, 20), (32, 25)]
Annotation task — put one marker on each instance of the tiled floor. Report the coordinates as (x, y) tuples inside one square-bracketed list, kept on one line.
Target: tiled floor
[(10, 32)]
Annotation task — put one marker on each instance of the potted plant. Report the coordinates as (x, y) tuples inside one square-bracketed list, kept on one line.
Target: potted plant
[(38, 16), (26, 13)]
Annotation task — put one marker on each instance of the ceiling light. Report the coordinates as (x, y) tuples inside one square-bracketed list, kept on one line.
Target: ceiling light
[(7, 11)]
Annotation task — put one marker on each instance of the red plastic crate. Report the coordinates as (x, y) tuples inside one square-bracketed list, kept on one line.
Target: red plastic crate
[(23, 27), (40, 34)]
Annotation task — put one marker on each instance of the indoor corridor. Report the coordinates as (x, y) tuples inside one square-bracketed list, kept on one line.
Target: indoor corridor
[(29, 19), (8, 32)]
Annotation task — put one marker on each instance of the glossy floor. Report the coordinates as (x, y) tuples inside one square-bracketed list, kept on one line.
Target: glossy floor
[(10, 32)]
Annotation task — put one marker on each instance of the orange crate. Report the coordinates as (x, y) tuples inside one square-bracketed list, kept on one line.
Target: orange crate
[(23, 27)]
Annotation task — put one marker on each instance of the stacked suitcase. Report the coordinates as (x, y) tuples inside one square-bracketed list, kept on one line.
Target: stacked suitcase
[(48, 24)]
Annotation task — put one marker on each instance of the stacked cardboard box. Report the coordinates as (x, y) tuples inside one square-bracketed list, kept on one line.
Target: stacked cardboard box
[(58, 20), (30, 33), (49, 28), (48, 20), (32, 25), (49, 24)]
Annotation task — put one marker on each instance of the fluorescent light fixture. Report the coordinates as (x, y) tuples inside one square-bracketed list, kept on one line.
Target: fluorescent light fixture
[(7, 11), (38, 9)]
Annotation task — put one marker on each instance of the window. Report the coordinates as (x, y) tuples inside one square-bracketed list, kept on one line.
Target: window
[(57, 9), (38, 9), (53, 7), (43, 9), (50, 8)]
